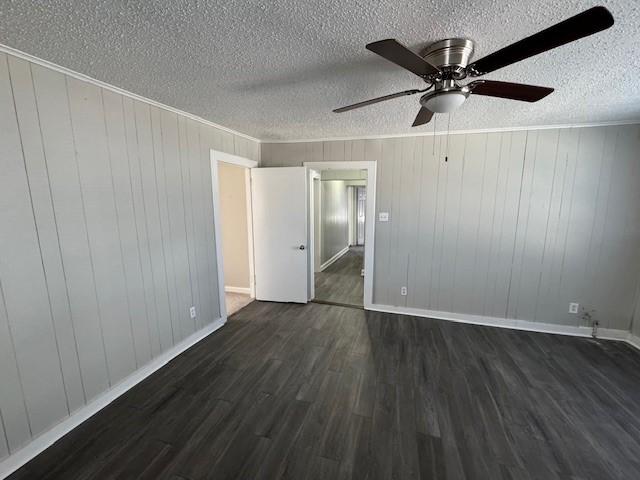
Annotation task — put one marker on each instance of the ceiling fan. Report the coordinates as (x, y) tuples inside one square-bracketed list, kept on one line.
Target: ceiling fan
[(443, 64)]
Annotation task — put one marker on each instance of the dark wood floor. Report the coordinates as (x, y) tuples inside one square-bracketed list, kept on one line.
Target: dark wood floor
[(342, 282), (326, 392)]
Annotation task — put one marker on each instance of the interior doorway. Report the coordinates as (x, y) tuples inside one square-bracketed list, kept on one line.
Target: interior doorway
[(232, 177), (339, 219)]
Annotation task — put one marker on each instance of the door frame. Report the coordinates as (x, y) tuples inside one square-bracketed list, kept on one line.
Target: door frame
[(369, 260), (215, 157), (312, 175)]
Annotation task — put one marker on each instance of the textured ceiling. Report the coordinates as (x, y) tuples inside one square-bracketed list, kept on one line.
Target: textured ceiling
[(276, 69)]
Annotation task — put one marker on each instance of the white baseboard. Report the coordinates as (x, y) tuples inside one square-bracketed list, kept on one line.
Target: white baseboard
[(334, 258), (244, 290), (514, 324), (46, 439), (633, 340)]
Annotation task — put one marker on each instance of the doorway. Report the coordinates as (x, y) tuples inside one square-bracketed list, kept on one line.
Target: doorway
[(232, 177), (339, 219), (282, 231)]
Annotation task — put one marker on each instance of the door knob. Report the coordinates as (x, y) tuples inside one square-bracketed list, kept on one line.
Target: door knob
[(301, 247)]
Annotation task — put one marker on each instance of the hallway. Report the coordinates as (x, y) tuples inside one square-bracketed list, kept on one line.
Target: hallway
[(342, 282)]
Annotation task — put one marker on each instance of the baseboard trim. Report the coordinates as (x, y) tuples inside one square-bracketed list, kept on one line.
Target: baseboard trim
[(334, 259), (633, 340), (48, 438), (514, 324), (243, 290)]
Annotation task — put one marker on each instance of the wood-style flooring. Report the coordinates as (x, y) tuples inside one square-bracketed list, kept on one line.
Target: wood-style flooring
[(287, 391), (342, 281)]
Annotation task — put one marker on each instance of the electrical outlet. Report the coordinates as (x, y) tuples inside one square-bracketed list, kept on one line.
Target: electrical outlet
[(403, 291), (192, 312), (573, 307), (383, 216)]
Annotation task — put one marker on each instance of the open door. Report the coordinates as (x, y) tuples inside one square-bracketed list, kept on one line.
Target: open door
[(279, 201)]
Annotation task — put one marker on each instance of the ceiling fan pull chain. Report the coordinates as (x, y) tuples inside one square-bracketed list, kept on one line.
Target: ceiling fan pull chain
[(434, 136), (446, 153)]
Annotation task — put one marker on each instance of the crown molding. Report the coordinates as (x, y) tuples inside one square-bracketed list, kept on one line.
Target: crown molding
[(85, 78), (458, 132)]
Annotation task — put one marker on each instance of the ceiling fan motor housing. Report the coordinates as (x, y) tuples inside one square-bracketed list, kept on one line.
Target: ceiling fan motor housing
[(451, 55)]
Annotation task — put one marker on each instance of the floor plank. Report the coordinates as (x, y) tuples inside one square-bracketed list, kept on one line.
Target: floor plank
[(321, 391)]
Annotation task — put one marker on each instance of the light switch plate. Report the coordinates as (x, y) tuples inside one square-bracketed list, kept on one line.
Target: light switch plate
[(383, 216)]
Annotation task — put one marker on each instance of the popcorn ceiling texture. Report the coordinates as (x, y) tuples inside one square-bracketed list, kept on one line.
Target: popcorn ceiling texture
[(276, 69)]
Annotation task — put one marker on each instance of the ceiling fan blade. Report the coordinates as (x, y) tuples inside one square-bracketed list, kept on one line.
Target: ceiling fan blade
[(512, 91), (582, 25), (424, 116), (397, 53), (376, 100)]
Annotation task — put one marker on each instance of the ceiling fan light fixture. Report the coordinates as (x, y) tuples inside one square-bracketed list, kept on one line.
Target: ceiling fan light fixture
[(444, 102)]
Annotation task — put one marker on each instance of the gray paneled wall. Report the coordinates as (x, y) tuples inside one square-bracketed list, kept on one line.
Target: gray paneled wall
[(334, 218), (106, 241), (635, 325), (513, 225)]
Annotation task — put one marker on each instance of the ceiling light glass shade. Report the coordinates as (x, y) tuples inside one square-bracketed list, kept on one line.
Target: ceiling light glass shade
[(445, 102)]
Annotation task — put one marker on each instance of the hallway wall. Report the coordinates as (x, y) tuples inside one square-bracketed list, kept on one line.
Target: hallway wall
[(235, 235), (334, 224)]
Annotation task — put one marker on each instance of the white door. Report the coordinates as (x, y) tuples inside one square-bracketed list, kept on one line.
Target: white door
[(279, 202)]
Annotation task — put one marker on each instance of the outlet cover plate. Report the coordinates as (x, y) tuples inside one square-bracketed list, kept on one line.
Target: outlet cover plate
[(573, 307)]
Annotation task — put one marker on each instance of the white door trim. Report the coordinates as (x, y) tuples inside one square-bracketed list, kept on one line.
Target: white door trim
[(312, 175), (370, 167), (217, 156)]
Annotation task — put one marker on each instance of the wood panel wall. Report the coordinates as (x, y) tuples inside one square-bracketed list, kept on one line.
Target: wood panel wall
[(512, 225), (334, 223), (107, 239)]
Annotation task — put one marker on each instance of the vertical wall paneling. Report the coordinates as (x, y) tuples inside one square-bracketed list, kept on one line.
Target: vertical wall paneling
[(487, 217), (194, 194), (383, 229), (404, 203), (419, 293), (89, 131), (206, 140), (620, 271), (26, 298), (440, 206), (454, 150), (514, 225), (37, 171), (155, 260), (108, 239), (59, 148), (549, 302), (15, 421), (183, 325), (119, 127), (4, 446), (145, 278), (165, 230), (187, 209), (471, 199), (510, 194), (334, 223)]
